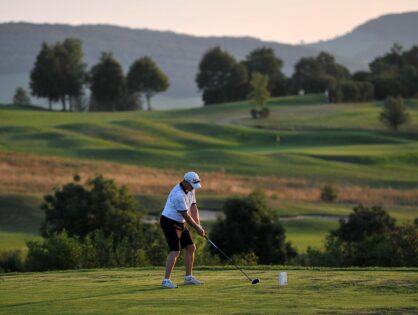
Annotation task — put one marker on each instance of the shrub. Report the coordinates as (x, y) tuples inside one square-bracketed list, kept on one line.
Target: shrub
[(12, 260), (329, 193), (249, 259), (55, 253)]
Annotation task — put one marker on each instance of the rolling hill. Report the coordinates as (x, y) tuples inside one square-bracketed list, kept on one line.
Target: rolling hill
[(304, 144), (374, 38)]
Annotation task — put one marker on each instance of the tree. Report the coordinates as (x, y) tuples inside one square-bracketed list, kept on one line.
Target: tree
[(82, 209), (395, 73), (238, 87), (263, 60), (72, 69), (366, 91), (44, 76), (361, 76), (59, 72), (107, 83), (21, 97), (306, 74), (331, 68), (250, 227), (350, 91), (364, 222), (144, 76), (394, 113), (405, 244), (315, 75), (260, 93), (216, 70), (369, 237)]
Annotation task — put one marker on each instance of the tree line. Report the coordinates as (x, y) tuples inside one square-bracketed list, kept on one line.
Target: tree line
[(221, 78), (60, 75)]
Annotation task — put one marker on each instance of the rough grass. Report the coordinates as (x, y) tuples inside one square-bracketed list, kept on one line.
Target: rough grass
[(25, 174), (226, 291)]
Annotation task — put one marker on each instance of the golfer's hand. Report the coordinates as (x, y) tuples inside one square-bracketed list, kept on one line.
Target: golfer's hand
[(200, 231)]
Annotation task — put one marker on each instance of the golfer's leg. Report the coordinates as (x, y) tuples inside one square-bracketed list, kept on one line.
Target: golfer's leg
[(189, 258), (171, 261)]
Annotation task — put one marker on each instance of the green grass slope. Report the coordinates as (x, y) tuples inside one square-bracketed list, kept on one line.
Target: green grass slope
[(226, 291), (303, 138), (20, 220)]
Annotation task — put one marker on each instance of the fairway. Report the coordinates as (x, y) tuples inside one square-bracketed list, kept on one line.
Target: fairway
[(226, 291), (304, 144), (303, 138)]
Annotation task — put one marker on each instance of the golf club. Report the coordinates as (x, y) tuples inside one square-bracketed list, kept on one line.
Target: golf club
[(253, 281)]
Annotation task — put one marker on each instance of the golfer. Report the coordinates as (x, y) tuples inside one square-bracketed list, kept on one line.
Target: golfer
[(180, 209)]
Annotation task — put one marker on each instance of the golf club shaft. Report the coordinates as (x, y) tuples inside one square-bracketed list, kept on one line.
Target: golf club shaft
[(227, 257)]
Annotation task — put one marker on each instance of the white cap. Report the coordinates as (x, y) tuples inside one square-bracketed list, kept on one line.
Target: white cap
[(193, 179)]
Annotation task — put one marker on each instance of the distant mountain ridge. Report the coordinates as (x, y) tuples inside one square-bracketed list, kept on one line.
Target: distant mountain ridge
[(179, 55), (374, 38)]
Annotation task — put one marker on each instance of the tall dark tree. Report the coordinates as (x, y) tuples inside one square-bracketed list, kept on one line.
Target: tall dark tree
[(395, 73), (73, 69), (238, 86), (59, 72), (263, 60), (306, 74), (146, 77), (216, 70), (107, 83), (44, 76)]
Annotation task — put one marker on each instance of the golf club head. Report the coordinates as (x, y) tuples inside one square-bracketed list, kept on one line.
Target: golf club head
[(255, 281)]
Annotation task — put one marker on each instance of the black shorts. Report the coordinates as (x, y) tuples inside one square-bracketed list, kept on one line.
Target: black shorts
[(176, 234)]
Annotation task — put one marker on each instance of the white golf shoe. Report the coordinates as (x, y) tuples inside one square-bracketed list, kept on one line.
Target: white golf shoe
[(167, 284), (192, 280)]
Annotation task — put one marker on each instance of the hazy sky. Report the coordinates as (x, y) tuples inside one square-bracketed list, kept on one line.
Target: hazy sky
[(288, 21)]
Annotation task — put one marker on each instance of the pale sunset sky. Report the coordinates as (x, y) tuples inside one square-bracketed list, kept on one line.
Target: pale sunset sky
[(286, 21)]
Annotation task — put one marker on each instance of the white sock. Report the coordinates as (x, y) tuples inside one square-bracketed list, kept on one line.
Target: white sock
[(166, 280), (188, 277)]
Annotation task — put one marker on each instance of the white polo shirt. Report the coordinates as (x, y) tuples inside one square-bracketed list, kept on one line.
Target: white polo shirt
[(178, 201)]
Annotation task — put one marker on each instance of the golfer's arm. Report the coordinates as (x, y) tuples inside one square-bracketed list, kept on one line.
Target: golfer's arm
[(189, 219), (194, 213)]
